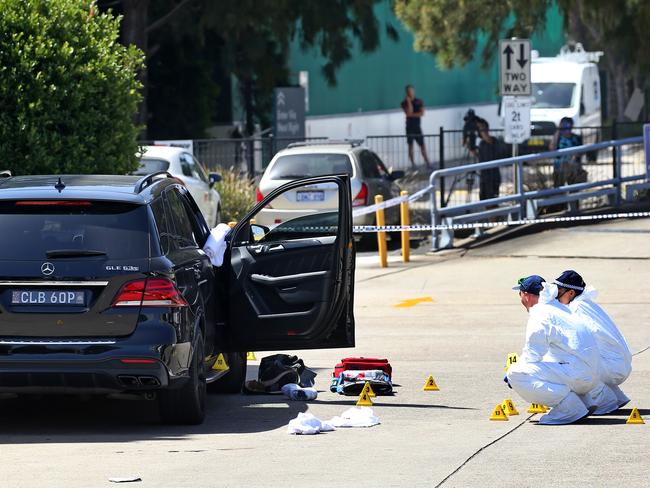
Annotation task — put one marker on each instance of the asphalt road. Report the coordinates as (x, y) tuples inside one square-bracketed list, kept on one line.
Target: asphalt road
[(461, 337)]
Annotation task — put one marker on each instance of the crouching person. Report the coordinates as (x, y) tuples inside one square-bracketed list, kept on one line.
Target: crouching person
[(615, 354), (559, 358)]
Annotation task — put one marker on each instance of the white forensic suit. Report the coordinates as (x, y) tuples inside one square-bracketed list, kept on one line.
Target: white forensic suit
[(615, 354), (559, 361)]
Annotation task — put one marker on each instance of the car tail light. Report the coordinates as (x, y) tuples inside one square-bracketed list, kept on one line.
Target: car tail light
[(47, 203), (153, 292), (258, 195), (362, 197)]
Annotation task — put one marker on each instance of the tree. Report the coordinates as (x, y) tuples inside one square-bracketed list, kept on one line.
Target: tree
[(247, 40), (452, 32), (68, 90)]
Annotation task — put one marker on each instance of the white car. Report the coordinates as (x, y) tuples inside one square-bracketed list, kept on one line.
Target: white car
[(368, 177), (184, 166)]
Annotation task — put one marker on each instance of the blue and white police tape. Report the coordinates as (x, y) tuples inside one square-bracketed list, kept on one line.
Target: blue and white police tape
[(392, 202), (486, 225)]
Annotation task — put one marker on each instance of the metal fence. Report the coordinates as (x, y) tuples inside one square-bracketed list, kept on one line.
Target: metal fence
[(576, 179)]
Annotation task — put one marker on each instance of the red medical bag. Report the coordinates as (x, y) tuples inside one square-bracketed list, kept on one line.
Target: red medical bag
[(363, 364)]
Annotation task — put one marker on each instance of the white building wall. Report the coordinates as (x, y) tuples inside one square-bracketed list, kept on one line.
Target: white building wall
[(358, 125)]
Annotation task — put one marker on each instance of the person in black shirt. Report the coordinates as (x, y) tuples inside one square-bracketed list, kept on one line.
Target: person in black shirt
[(414, 110), (489, 149)]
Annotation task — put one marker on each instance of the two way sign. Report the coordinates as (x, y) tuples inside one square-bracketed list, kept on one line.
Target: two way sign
[(514, 68)]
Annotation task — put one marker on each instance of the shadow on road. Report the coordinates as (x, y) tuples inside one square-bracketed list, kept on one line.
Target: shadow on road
[(70, 418)]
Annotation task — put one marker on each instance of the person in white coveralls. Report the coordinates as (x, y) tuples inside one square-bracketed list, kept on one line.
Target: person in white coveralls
[(559, 359), (615, 354)]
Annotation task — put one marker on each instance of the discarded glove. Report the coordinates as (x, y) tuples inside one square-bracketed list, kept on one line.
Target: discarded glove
[(355, 417), (296, 392), (307, 424)]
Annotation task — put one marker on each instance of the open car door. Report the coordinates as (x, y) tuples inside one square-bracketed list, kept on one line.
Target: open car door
[(291, 282)]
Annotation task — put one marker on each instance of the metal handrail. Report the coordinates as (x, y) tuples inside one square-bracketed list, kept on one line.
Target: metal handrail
[(520, 195)]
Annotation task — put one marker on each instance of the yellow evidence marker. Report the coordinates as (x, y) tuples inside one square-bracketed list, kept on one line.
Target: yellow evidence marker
[(430, 384), (635, 417), (220, 364), (509, 407), (498, 413), (536, 408), (250, 356), (512, 358), (368, 389), (364, 400)]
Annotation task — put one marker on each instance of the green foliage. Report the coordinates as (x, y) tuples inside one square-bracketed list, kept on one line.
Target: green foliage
[(68, 92), (237, 195), (452, 30)]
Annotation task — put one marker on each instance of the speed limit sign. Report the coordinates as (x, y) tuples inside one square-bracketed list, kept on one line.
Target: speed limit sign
[(516, 111)]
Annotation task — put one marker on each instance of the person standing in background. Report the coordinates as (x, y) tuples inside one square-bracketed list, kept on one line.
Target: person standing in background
[(489, 149), (414, 110)]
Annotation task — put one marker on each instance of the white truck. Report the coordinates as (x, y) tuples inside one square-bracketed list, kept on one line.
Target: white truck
[(567, 85)]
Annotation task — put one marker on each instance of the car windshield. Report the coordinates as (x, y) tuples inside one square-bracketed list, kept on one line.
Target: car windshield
[(553, 95), (102, 229), (294, 166), (151, 165)]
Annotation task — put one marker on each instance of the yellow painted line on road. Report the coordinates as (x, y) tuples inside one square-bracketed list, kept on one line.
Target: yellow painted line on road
[(412, 302)]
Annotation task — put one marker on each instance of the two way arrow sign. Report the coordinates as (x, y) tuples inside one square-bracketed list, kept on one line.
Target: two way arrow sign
[(509, 52), (514, 72)]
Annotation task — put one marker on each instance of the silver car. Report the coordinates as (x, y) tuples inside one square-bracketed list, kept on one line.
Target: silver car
[(369, 177)]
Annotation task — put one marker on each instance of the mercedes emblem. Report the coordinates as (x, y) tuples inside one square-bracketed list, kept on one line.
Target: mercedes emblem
[(47, 269)]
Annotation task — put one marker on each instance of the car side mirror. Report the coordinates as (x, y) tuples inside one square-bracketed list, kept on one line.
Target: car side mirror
[(397, 174), (214, 178), (258, 232)]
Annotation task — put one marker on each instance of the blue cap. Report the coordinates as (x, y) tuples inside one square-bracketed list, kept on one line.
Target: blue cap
[(571, 280), (530, 284)]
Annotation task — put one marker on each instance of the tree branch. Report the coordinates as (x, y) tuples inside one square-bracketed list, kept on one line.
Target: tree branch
[(168, 16)]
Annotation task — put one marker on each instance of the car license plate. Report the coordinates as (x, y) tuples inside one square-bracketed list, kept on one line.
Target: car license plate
[(310, 196), (47, 297)]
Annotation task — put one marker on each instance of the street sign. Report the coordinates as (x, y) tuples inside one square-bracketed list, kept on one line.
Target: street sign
[(514, 68), (516, 111), (288, 115)]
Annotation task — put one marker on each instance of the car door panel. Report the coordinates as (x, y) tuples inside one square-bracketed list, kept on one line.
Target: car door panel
[(293, 292)]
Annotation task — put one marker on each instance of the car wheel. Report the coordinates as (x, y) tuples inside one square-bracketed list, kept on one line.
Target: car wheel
[(233, 380), (186, 405)]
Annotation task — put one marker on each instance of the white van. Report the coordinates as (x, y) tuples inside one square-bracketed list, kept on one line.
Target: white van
[(567, 85)]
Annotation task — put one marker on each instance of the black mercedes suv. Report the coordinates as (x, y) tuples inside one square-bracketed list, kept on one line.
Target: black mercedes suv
[(105, 288)]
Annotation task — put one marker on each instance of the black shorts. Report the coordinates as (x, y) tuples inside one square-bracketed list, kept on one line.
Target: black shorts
[(414, 134)]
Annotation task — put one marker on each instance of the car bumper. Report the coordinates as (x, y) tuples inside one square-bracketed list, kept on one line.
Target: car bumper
[(97, 365)]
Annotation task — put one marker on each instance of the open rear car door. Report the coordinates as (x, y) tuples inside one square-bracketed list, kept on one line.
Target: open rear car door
[(292, 286)]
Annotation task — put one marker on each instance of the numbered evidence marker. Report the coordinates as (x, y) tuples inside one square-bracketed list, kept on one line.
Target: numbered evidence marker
[(635, 417), (509, 407), (536, 408), (220, 364), (250, 356), (498, 413), (430, 384), (368, 389), (364, 400), (512, 358)]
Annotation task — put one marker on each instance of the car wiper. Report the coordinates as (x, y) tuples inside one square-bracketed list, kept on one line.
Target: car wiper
[(73, 253), (292, 177)]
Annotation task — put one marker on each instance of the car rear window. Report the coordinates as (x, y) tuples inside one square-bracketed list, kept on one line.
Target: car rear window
[(120, 230), (294, 166), (151, 165)]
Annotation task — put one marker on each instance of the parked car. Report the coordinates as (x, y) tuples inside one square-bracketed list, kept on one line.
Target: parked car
[(368, 177), (183, 165), (105, 288)]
